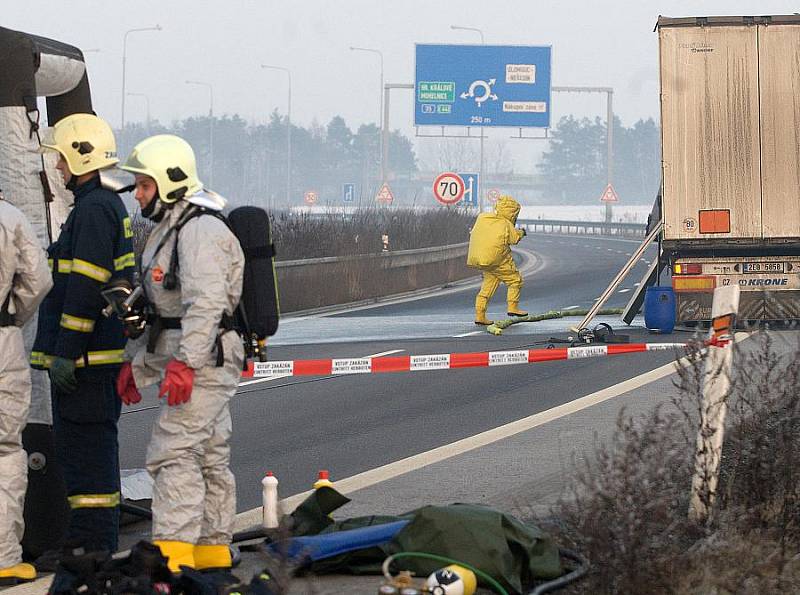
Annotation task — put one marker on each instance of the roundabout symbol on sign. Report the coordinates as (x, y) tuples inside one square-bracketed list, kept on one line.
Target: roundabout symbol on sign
[(448, 188)]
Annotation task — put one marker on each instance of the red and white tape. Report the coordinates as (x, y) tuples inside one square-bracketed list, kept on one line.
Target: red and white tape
[(443, 361)]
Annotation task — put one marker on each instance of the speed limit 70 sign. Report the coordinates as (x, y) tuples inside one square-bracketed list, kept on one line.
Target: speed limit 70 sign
[(448, 188)]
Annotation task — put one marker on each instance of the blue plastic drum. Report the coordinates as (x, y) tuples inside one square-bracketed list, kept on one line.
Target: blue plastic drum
[(659, 309)]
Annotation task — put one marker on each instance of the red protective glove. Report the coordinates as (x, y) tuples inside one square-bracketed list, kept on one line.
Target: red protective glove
[(126, 386), (177, 383)]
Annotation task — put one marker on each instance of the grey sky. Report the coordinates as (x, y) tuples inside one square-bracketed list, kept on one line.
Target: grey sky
[(595, 42)]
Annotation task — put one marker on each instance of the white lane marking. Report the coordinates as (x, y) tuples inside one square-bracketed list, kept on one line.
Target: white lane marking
[(469, 334), (636, 284), (571, 308), (382, 353), (379, 474), (626, 290), (278, 376)]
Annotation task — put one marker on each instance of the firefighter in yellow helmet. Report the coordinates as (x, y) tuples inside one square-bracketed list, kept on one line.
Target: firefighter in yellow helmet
[(490, 251), (192, 273), (81, 348)]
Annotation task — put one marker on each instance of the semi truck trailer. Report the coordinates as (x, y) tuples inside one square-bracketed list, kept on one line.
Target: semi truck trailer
[(730, 139)]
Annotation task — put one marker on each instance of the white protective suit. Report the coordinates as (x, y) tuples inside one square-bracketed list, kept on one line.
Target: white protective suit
[(194, 492), (24, 275)]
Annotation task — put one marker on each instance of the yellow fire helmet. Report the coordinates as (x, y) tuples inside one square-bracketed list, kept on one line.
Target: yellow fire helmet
[(170, 161), (85, 141)]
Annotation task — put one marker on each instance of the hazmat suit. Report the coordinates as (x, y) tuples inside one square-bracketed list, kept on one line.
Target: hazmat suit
[(490, 251), (192, 272), (24, 281)]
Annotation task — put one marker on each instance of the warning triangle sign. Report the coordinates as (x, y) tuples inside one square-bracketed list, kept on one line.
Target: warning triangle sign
[(385, 195), (609, 195)]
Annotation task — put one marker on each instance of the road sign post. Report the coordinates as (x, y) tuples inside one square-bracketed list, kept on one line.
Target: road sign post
[(348, 192), (384, 195), (448, 188), (609, 197), (471, 189)]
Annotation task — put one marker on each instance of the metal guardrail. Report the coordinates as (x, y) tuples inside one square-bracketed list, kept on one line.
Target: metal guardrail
[(583, 227)]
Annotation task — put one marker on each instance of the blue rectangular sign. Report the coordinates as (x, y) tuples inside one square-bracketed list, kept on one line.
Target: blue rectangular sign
[(482, 85), (348, 192), (471, 189)]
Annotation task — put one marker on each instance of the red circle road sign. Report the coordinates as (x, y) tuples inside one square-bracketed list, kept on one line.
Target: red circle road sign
[(311, 197), (448, 188)]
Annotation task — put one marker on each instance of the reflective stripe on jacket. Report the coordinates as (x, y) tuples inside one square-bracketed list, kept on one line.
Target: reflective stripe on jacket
[(95, 247)]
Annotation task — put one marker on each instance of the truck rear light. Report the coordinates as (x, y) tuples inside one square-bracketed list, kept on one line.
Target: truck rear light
[(715, 221), (693, 283), (688, 269)]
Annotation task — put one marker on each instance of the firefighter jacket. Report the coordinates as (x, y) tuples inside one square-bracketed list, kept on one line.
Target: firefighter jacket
[(95, 247)]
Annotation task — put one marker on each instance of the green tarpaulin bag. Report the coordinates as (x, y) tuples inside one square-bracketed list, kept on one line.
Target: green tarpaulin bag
[(513, 553)]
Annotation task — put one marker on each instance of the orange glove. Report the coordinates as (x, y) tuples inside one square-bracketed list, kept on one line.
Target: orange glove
[(126, 385), (177, 383)]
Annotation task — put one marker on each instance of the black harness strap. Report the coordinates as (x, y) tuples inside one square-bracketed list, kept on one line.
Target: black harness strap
[(6, 319)]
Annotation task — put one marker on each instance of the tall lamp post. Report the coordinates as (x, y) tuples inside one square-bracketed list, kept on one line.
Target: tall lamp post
[(147, 106), (380, 113), (210, 128), (288, 131), (480, 173), (124, 56)]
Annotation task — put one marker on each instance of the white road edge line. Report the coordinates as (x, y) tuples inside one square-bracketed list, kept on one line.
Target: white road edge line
[(250, 518), (469, 334)]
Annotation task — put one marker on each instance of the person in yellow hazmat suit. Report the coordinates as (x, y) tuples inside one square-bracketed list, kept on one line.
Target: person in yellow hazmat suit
[(490, 244)]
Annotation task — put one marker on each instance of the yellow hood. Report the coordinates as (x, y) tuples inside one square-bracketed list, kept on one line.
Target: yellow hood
[(507, 208)]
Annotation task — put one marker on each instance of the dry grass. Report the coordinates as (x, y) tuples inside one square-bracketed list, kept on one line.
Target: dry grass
[(628, 509)]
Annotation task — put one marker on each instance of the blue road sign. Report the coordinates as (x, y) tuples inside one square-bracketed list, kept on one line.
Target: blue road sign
[(471, 189), (348, 192), (482, 85)]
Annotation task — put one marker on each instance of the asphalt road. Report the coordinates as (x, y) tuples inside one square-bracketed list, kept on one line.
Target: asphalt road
[(350, 424)]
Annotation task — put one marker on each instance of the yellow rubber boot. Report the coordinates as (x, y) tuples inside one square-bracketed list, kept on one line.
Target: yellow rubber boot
[(19, 573), (513, 310), (480, 318), (178, 553), (212, 556)]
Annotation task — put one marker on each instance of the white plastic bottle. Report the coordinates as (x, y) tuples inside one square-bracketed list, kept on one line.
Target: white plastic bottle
[(269, 500)]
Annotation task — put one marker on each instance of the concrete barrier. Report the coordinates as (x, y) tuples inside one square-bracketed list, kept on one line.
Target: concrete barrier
[(318, 282)]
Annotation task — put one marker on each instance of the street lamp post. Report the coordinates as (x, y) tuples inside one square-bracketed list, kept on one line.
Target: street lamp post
[(380, 113), (210, 128), (124, 56), (480, 173), (288, 131), (147, 107)]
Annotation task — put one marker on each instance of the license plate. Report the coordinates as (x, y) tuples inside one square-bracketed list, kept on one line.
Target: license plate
[(763, 267)]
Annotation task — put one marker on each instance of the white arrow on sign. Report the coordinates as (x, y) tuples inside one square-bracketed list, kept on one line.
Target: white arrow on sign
[(487, 91)]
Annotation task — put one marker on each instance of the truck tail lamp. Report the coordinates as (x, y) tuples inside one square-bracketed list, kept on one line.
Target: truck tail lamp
[(693, 283), (715, 221), (687, 269)]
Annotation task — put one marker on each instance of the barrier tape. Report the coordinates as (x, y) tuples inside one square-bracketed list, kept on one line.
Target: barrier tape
[(444, 361)]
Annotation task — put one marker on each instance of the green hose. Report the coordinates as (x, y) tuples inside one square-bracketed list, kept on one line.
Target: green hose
[(498, 327), (479, 573)]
